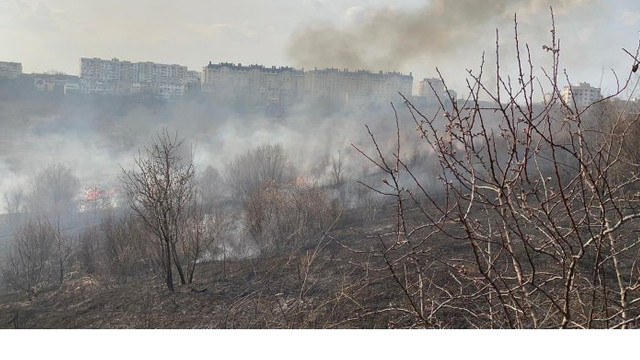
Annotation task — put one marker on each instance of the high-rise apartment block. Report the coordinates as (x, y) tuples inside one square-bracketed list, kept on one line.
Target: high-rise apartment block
[(356, 88), (433, 90), (116, 77), (581, 95), (251, 87), (10, 69), (285, 85), (193, 77), (255, 84)]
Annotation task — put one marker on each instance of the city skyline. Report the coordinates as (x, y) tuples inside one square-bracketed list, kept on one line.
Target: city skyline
[(53, 35)]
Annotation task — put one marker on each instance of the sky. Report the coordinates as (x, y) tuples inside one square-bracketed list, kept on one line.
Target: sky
[(411, 36)]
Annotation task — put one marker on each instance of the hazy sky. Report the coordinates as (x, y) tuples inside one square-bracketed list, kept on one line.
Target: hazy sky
[(409, 36)]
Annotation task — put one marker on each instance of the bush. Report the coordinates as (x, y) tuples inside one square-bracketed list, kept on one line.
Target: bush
[(286, 215)]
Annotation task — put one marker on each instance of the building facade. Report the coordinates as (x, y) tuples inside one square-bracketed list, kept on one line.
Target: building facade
[(433, 91), (10, 69), (58, 83), (581, 95), (116, 77), (256, 85), (283, 86), (356, 88)]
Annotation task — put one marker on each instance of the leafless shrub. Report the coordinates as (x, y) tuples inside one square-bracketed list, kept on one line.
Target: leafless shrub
[(211, 189), (53, 194), (15, 204), (300, 287), (89, 250), (283, 215), (200, 232), (126, 247), (40, 245), (248, 171), (337, 170), (15, 201), (623, 127), (62, 253), (29, 263)]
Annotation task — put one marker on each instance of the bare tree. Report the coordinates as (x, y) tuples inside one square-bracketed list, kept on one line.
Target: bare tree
[(249, 170), (160, 189), (28, 265), (53, 194), (15, 201), (16, 206), (49, 203), (337, 170), (210, 188), (529, 228)]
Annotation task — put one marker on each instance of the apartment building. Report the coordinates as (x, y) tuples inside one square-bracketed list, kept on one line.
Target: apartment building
[(581, 95), (356, 88), (252, 86), (10, 69), (260, 85), (116, 77), (193, 76), (433, 91), (257, 85), (58, 83)]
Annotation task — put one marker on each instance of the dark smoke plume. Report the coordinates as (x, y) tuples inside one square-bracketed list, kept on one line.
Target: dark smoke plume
[(387, 38)]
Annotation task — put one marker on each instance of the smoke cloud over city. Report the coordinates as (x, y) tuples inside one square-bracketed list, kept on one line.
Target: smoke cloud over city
[(95, 139), (450, 35)]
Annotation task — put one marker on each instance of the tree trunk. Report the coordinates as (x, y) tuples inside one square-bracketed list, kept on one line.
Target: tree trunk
[(190, 280), (61, 279), (176, 260), (191, 271), (168, 269)]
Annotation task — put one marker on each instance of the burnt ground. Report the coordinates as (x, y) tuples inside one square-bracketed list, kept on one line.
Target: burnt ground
[(329, 282), (241, 299), (288, 289)]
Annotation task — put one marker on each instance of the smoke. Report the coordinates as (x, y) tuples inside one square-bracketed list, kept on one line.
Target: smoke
[(96, 138), (440, 33)]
